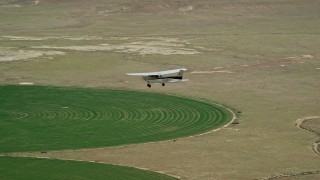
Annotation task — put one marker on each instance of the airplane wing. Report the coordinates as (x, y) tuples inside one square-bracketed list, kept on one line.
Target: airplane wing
[(177, 80), (157, 73)]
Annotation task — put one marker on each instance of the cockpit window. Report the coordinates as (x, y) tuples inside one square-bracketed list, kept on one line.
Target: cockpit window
[(154, 76)]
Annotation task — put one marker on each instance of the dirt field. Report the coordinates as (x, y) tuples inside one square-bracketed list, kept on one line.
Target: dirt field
[(311, 124), (260, 57)]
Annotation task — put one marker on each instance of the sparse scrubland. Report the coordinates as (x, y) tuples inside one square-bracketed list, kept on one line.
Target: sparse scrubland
[(260, 57)]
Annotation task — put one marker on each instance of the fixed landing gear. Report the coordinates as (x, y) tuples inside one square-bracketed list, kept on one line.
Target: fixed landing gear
[(149, 85)]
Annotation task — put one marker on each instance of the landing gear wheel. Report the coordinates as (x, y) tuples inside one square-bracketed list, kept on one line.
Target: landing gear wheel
[(163, 84), (149, 85)]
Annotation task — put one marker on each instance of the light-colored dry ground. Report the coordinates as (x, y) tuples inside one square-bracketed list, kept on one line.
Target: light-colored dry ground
[(301, 176), (13, 54), (311, 124), (163, 46), (210, 72), (271, 46), (142, 46), (300, 121)]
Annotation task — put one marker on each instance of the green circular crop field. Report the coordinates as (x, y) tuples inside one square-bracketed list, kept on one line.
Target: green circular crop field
[(39, 118), (33, 168)]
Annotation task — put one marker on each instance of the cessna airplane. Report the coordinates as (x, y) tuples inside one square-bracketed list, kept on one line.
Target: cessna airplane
[(159, 77)]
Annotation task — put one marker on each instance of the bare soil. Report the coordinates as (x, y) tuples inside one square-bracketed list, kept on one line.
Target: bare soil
[(14, 54)]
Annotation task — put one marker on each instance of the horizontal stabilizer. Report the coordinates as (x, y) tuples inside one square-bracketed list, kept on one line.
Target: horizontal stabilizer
[(157, 73)]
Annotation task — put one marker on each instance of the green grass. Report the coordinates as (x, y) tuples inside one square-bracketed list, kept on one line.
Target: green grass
[(34, 118), (31, 168)]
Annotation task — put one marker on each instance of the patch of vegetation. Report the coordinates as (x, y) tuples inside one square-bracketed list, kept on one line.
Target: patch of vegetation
[(312, 125), (35, 118), (31, 168)]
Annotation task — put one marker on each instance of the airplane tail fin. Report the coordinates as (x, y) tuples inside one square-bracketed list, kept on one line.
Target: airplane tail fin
[(180, 73)]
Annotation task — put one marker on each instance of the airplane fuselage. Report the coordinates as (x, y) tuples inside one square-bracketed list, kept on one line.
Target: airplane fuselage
[(161, 79)]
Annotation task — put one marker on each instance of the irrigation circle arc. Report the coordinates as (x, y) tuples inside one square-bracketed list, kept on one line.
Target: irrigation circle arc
[(71, 118)]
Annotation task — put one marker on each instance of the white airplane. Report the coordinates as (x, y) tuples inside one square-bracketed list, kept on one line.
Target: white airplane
[(159, 77)]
